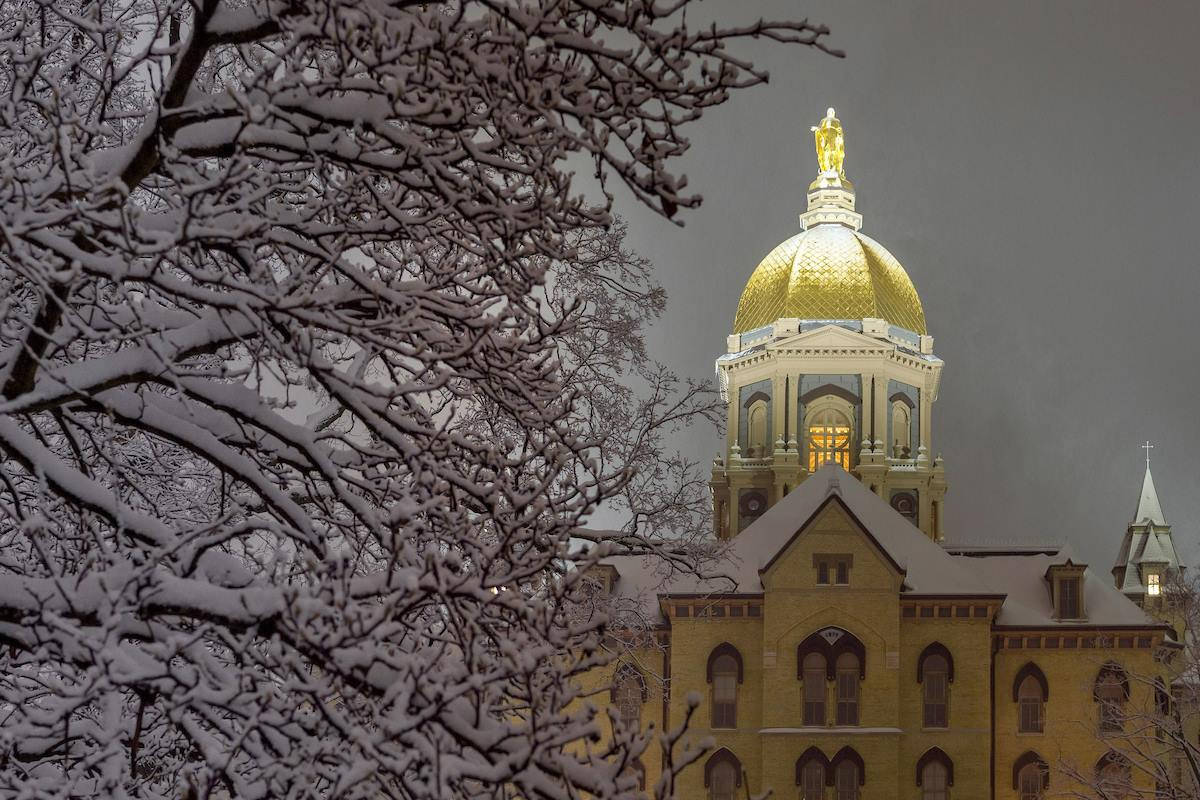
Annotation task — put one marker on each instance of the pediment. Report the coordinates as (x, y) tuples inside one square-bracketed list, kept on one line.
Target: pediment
[(831, 337)]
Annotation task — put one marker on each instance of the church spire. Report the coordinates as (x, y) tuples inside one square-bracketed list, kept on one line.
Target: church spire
[(1149, 509)]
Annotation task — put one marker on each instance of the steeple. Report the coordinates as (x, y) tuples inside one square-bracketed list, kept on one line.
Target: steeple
[(1147, 556)]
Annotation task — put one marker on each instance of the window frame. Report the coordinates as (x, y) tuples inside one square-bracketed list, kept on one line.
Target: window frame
[(847, 704), (821, 685), (931, 651), (1030, 672), (821, 414)]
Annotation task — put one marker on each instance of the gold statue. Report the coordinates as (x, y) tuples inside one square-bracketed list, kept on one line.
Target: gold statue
[(831, 146)]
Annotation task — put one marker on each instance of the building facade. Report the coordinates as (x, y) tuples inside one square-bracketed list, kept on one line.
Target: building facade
[(850, 653)]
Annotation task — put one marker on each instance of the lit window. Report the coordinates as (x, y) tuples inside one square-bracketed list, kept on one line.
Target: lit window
[(1152, 584), (828, 439)]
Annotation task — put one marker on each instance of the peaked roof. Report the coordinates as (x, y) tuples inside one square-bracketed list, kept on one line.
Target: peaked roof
[(927, 568), (1149, 509)]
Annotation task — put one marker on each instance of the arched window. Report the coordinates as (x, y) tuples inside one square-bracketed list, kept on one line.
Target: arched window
[(628, 694), (1031, 776), (828, 433), (1110, 692), (812, 774), (813, 673), (724, 673), (1030, 693), (901, 430), (847, 689), (849, 774), (935, 774), (756, 430), (722, 775), (1114, 776), (935, 671)]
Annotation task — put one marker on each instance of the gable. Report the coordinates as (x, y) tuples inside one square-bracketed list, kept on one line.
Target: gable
[(832, 337), (831, 534)]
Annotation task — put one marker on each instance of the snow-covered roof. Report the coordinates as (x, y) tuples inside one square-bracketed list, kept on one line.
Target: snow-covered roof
[(1028, 602), (1016, 574), (1149, 509)]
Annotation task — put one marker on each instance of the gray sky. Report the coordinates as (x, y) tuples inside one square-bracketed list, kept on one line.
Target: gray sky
[(1034, 168)]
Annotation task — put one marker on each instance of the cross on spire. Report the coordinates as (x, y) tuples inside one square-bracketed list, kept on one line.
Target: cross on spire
[(1147, 447)]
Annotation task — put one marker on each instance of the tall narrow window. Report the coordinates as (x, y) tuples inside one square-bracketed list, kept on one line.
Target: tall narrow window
[(935, 679), (629, 699), (1110, 692), (1029, 781), (724, 691), (847, 689), (846, 780), (812, 781), (828, 438), (1153, 588), (1030, 706), (901, 430), (1068, 598), (756, 429), (814, 689), (935, 782), (722, 783)]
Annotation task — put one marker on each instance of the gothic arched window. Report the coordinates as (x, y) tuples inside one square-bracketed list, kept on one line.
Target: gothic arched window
[(813, 673), (628, 694), (849, 774), (1030, 692), (935, 774), (812, 774), (1031, 776), (724, 673), (1110, 691), (722, 775), (1114, 776), (847, 689), (828, 433), (934, 672)]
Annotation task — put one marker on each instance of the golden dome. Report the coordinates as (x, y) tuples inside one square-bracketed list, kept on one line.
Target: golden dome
[(829, 271)]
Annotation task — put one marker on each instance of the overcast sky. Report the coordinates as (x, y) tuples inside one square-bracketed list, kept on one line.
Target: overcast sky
[(1035, 169)]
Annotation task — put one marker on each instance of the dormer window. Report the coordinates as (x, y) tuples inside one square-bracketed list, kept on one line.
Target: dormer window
[(1153, 587), (1068, 598), (1066, 586)]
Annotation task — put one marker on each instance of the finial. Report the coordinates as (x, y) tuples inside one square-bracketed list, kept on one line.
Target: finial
[(831, 146), (1147, 447)]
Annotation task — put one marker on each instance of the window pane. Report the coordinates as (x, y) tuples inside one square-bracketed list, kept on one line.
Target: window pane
[(843, 573), (812, 781), (724, 705), (933, 782), (814, 689), (1069, 602), (847, 689), (1030, 781), (846, 780), (828, 439), (724, 779)]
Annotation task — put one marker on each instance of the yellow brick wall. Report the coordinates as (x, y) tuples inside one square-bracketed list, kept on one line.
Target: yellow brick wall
[(890, 737)]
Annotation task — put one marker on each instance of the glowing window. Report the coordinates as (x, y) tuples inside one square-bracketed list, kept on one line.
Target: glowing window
[(1152, 585), (828, 438)]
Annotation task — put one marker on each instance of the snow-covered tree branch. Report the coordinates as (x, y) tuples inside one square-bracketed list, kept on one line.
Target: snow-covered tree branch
[(313, 362)]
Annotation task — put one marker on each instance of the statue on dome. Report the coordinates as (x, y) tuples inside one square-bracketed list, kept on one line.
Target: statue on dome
[(831, 146)]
